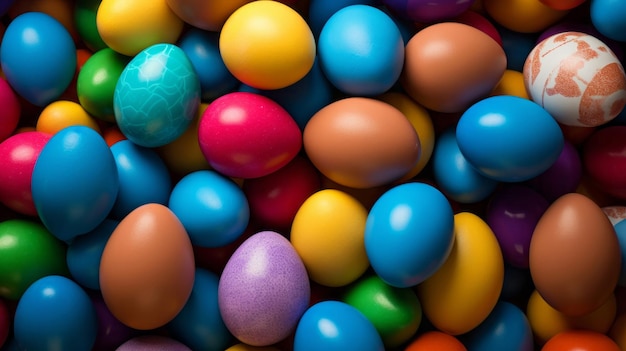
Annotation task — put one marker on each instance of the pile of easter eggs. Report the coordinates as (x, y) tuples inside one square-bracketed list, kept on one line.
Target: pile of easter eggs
[(303, 175)]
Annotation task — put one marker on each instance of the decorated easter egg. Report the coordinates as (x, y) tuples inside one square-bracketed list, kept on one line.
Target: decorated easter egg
[(576, 78), (263, 290), (75, 182), (147, 268), (574, 255), (156, 96), (385, 148)]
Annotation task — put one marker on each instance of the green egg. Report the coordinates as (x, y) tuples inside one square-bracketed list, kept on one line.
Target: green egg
[(85, 19)]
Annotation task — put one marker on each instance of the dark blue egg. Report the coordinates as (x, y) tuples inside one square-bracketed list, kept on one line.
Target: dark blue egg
[(54, 314), (74, 182), (38, 57)]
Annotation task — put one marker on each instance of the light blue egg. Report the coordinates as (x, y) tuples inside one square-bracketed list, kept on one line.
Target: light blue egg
[(143, 177), (509, 138), (456, 177), (321, 10), (199, 324), (38, 57), (211, 207), (361, 50), (620, 230), (157, 96), (335, 325), (85, 252), (607, 16), (74, 182), (409, 233), (54, 314)]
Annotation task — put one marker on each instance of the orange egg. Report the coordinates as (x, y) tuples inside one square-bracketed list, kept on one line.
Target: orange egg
[(574, 255), (147, 268), (61, 114), (435, 340)]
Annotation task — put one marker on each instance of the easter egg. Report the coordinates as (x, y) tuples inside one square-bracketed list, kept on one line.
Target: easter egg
[(336, 325), (263, 290), (575, 340), (606, 18), (37, 323), (85, 19), (385, 148), (327, 233), (5, 322), (523, 16), (152, 343), (111, 332), (30, 252), (245, 347), (75, 182), (620, 231), (478, 20), (61, 114), (603, 160), (18, 155), (398, 256), (156, 96), (10, 115), (512, 83), (38, 57), (562, 177), (435, 76), (361, 36), (267, 45), (130, 27), (321, 10), (562, 4), (492, 135), (576, 78), (147, 268), (247, 135), (462, 293), (428, 11), (211, 207), (205, 15), (574, 257), (435, 340)]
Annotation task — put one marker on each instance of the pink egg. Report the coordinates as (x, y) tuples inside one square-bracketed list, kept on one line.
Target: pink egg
[(478, 21), (18, 155), (10, 111), (247, 135)]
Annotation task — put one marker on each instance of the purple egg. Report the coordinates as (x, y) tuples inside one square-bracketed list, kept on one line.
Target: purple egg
[(562, 177), (428, 11), (512, 214), (152, 343), (111, 332), (263, 290)]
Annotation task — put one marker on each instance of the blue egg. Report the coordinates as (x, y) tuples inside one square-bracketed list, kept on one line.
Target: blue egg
[(361, 50), (335, 325), (607, 16), (620, 230), (54, 314), (74, 182), (516, 47), (199, 324), (157, 96), (38, 57), (85, 252), (303, 98), (508, 138), (409, 233), (202, 49), (321, 10), (456, 177), (143, 177), (506, 328), (211, 207)]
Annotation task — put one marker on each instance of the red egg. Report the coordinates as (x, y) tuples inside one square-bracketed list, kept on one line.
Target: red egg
[(604, 159), (10, 114)]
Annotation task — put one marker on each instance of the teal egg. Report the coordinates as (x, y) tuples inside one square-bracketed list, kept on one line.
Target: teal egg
[(157, 96)]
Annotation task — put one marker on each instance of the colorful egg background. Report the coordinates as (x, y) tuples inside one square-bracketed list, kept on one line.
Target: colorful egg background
[(312, 174)]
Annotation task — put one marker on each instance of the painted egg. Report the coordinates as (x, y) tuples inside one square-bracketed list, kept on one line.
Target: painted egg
[(464, 291), (576, 78), (156, 96), (152, 343), (75, 182), (574, 255), (435, 340), (147, 268), (263, 290)]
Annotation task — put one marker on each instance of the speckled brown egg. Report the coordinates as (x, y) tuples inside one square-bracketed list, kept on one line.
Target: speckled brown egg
[(361, 142)]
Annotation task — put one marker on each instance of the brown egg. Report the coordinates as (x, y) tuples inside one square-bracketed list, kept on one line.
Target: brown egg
[(361, 142), (448, 66), (575, 259), (147, 268)]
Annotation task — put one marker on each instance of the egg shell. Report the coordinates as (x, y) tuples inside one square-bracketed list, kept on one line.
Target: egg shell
[(448, 66), (263, 290), (463, 292), (152, 343), (361, 142), (577, 78), (574, 255), (156, 96), (147, 268)]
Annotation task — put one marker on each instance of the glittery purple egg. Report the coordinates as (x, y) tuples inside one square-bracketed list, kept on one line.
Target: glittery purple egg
[(152, 343), (263, 290)]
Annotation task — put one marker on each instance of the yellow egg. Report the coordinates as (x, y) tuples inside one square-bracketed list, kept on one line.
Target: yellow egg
[(61, 114), (131, 26), (524, 16), (328, 234), (462, 293), (511, 83), (267, 45)]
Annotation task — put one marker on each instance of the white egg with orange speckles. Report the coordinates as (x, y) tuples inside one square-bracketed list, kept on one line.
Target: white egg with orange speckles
[(576, 78)]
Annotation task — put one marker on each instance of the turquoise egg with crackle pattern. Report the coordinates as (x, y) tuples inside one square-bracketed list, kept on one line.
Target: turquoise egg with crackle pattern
[(156, 96)]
